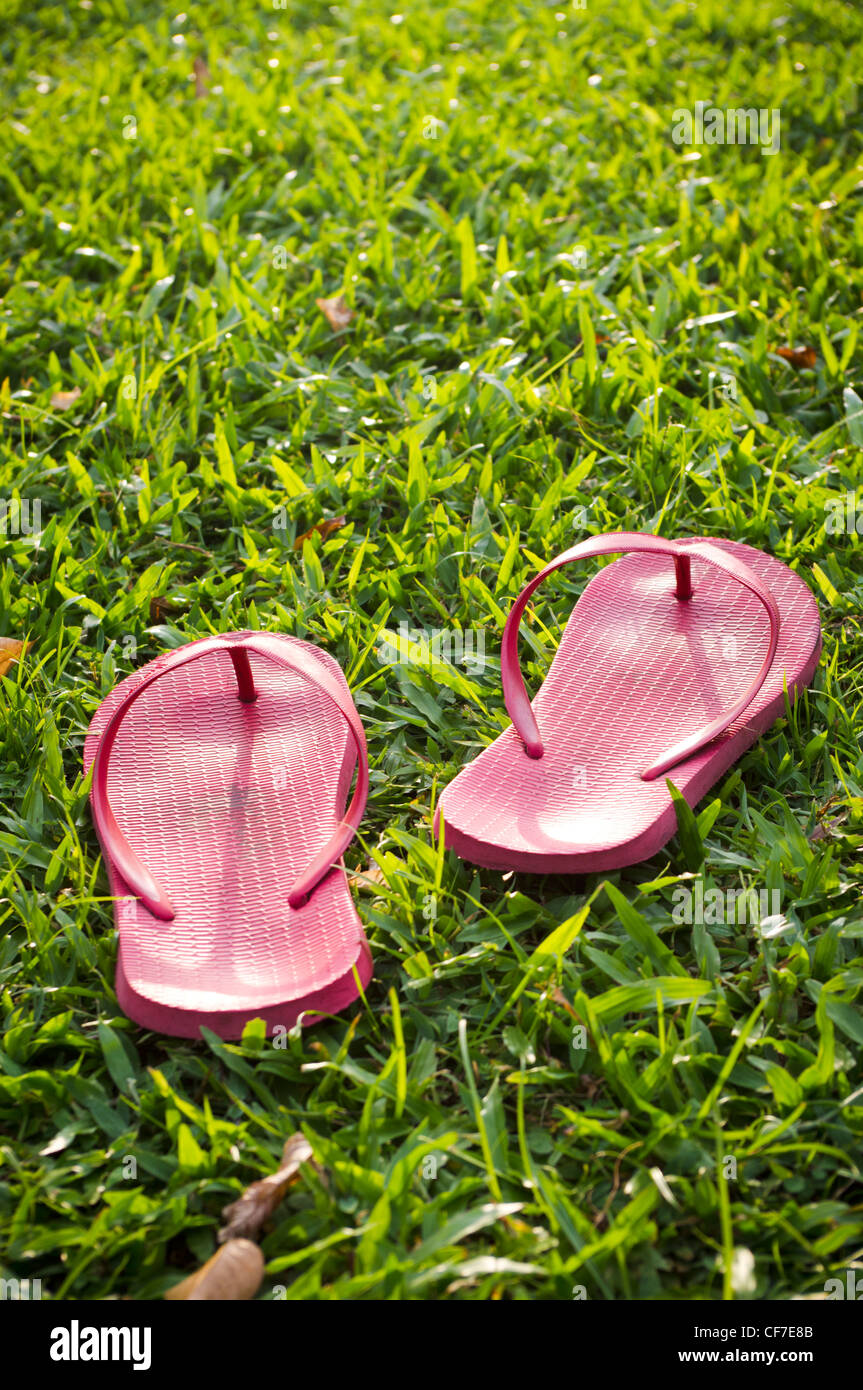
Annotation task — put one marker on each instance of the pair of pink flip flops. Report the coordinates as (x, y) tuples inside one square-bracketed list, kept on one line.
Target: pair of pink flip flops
[(221, 774)]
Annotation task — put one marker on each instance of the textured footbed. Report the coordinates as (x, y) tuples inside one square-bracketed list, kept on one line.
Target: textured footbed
[(636, 671), (226, 804)]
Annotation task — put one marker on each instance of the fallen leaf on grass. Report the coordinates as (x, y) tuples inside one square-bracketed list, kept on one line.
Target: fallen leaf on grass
[(367, 880), (336, 312), (247, 1215), (322, 528), (234, 1273), (202, 73), (560, 998), (161, 607), (10, 650), (824, 830), (64, 400), (798, 356)]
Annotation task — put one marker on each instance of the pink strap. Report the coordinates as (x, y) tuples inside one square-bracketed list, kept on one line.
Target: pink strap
[(292, 658), (514, 692)]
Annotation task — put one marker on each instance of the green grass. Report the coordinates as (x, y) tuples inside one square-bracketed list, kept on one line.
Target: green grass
[(492, 401)]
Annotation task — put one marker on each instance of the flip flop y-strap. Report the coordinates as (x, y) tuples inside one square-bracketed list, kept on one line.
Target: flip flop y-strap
[(515, 694), (294, 659)]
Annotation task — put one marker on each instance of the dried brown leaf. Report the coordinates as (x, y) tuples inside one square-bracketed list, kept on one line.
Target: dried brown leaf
[(10, 650), (322, 528), (64, 400), (234, 1273), (161, 607), (202, 75), (827, 829), (246, 1216), (560, 998), (336, 312), (798, 356), (367, 879)]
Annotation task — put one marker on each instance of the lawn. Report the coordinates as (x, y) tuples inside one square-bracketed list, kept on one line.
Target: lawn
[(563, 322)]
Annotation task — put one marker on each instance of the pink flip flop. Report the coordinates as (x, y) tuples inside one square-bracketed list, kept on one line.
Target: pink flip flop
[(661, 672), (221, 772)]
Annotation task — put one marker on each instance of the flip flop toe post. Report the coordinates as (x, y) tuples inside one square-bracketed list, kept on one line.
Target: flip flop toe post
[(221, 774), (676, 657)]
